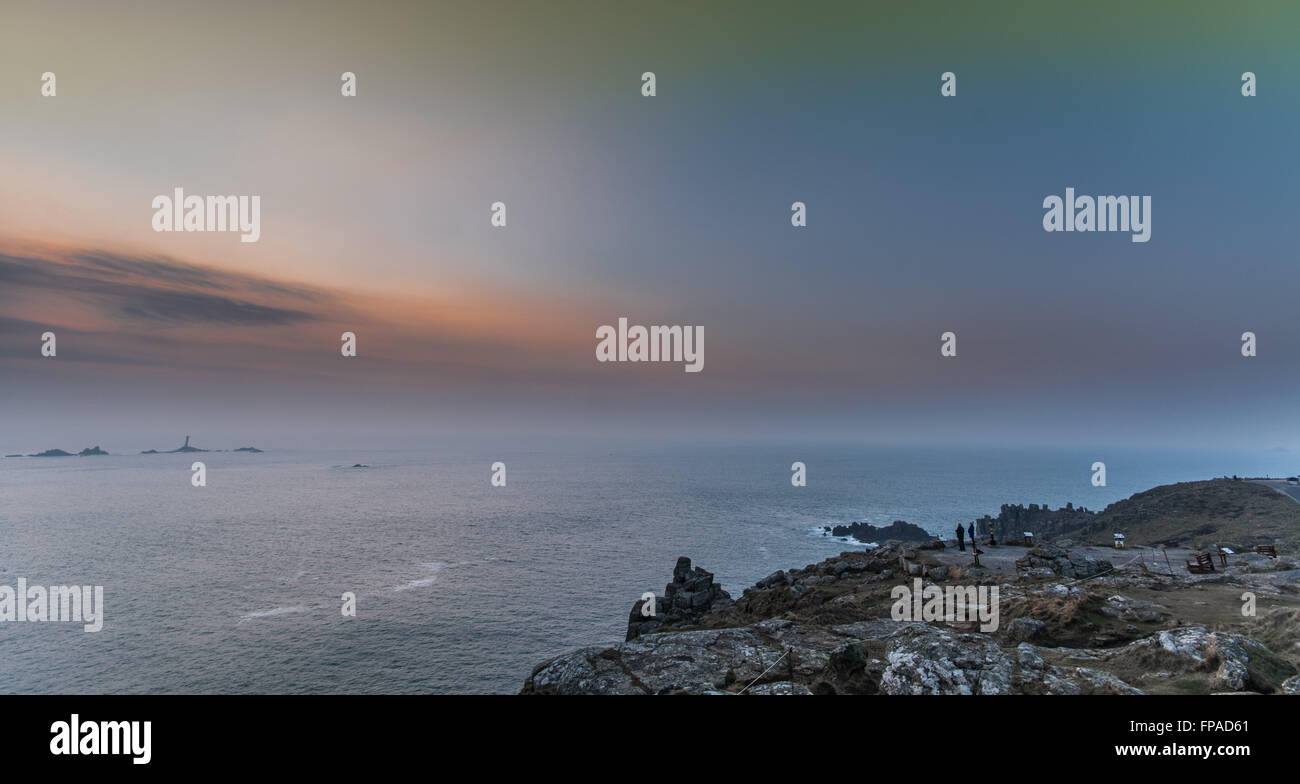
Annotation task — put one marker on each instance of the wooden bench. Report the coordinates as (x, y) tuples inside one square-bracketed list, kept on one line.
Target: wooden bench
[(1204, 564), (1266, 549)]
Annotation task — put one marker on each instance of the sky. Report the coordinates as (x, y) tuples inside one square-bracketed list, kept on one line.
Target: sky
[(924, 216)]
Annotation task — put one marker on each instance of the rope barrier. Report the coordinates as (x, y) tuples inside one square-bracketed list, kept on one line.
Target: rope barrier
[(764, 672)]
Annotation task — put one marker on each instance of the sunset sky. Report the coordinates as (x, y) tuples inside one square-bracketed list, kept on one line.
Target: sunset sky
[(924, 215)]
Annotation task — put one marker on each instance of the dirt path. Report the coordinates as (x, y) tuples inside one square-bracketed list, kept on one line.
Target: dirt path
[(1289, 490)]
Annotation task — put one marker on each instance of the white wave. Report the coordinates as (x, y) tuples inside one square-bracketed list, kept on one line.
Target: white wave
[(422, 582), (822, 533), (297, 608)]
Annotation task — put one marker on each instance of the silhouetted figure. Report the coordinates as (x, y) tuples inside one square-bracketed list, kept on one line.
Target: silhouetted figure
[(961, 538), (972, 534)]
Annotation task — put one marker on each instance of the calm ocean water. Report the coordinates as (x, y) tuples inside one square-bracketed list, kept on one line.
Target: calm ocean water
[(461, 587)]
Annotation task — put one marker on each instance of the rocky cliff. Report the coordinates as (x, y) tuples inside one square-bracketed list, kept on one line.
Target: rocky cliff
[(1203, 514), (829, 628), (688, 598), (1046, 524)]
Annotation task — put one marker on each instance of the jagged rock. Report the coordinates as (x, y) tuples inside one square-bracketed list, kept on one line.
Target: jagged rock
[(1067, 591), (690, 595), (1098, 682), (693, 662), (899, 530), (1134, 609), (1014, 519), (791, 633), (848, 660), (784, 687), (1232, 675), (1237, 656), (780, 656), (1036, 677), (928, 660), (1087, 566), (1059, 561), (708, 661), (1054, 684), (1047, 552), (1023, 629), (1028, 658), (1256, 563)]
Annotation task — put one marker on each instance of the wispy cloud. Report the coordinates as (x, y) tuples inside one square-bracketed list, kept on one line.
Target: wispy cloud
[(113, 308), (136, 291)]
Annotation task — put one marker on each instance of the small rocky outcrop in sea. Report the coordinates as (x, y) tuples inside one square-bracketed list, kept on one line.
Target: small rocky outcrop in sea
[(247, 449), (690, 595), (91, 451), (899, 530), (52, 453), (187, 448)]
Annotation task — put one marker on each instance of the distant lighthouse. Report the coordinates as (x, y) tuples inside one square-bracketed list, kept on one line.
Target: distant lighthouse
[(187, 443)]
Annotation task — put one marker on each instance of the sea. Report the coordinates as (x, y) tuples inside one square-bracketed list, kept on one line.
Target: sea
[(461, 586)]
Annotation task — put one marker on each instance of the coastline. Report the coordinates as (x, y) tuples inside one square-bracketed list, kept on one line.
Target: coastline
[(1061, 617)]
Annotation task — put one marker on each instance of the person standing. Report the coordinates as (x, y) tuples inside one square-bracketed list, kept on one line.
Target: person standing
[(961, 538), (971, 532)]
